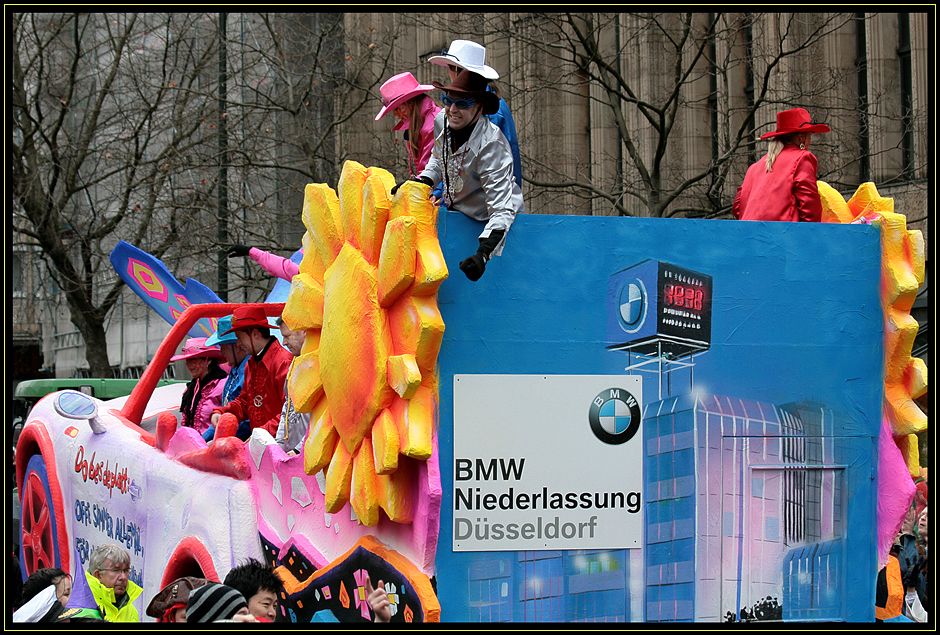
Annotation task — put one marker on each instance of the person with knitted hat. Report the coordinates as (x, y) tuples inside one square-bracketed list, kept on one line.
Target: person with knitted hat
[(408, 100), (262, 395), (473, 162), (781, 186), (169, 605), (215, 602), (204, 391)]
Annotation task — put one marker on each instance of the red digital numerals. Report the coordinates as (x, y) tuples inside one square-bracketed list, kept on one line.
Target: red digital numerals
[(678, 295)]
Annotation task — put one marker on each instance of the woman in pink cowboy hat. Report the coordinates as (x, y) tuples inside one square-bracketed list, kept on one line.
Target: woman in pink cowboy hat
[(408, 100), (204, 392), (782, 185)]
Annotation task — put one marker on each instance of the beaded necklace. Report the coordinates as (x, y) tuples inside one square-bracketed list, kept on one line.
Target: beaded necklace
[(455, 186)]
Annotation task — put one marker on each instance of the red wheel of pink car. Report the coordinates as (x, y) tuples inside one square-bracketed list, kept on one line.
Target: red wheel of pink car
[(39, 543)]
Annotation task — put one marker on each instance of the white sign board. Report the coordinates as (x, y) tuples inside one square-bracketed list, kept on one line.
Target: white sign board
[(547, 462)]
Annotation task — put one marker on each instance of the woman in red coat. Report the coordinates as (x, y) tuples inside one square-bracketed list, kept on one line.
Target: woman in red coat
[(782, 185)]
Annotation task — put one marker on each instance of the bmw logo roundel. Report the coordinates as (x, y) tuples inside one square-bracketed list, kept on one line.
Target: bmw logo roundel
[(632, 305), (615, 416)]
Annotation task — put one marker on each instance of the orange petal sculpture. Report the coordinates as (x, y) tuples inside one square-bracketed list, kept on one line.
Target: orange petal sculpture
[(367, 297), (905, 378), (902, 273)]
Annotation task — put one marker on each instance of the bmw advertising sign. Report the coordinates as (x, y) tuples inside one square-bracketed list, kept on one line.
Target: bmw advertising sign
[(547, 462)]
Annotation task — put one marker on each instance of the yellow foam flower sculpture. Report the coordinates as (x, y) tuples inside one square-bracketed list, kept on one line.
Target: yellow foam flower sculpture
[(367, 296), (902, 273)]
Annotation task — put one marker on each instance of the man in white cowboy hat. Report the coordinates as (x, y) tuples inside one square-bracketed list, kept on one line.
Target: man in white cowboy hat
[(781, 186), (468, 55), (473, 162)]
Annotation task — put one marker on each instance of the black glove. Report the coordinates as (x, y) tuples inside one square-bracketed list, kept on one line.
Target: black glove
[(236, 251), (420, 179), (474, 266)]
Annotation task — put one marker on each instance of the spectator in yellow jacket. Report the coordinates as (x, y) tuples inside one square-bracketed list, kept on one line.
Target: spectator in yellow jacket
[(108, 574)]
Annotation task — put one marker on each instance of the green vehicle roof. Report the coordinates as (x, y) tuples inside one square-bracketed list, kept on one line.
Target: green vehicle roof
[(97, 387)]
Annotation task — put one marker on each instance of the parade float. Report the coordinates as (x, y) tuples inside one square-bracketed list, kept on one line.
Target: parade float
[(634, 420)]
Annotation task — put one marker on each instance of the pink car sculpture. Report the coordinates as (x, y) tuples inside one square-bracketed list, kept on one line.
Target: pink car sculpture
[(89, 473)]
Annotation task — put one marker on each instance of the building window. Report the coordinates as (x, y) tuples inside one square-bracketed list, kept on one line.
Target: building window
[(16, 274), (861, 77), (907, 95)]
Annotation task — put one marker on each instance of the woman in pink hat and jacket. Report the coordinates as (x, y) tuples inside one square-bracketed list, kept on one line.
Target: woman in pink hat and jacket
[(204, 391), (781, 186), (403, 96)]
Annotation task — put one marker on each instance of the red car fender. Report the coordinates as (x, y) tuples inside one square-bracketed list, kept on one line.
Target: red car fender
[(35, 439)]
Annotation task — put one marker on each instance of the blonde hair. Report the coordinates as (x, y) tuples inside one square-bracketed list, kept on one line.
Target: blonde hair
[(415, 123), (776, 144)]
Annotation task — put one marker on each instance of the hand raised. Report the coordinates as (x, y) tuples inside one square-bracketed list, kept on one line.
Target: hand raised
[(378, 600)]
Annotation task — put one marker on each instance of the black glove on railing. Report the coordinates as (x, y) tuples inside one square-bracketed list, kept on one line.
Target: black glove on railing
[(420, 179), (236, 251), (474, 266)]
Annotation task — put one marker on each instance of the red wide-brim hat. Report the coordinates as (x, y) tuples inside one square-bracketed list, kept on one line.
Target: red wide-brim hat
[(795, 120), (246, 317)]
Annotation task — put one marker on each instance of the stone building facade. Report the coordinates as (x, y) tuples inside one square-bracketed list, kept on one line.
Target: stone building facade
[(616, 114)]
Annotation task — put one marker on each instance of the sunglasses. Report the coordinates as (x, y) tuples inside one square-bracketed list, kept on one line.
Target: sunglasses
[(461, 104)]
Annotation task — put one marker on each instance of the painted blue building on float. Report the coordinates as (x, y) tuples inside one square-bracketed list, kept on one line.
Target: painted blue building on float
[(760, 459)]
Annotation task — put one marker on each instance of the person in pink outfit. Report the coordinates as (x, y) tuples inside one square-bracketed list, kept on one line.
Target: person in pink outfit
[(781, 186), (403, 96), (204, 391), (277, 266)]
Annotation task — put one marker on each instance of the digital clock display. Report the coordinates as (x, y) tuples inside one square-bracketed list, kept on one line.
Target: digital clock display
[(684, 303), (658, 308)]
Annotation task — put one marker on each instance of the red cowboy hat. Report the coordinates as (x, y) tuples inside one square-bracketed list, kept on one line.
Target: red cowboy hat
[(246, 317), (470, 84), (796, 120)]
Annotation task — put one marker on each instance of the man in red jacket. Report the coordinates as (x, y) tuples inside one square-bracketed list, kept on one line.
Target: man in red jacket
[(262, 395)]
